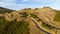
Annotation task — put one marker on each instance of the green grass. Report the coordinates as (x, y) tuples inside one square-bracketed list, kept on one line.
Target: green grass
[(24, 15), (2, 20), (5, 10), (33, 15), (14, 27), (47, 26), (57, 16)]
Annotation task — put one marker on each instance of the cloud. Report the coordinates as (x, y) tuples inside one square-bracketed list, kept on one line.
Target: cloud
[(38, 0), (9, 1), (6, 2), (45, 0), (11, 4), (24, 0)]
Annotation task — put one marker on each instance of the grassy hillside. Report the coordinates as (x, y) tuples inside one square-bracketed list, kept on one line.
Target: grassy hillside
[(5, 10), (20, 22), (13, 27), (57, 16)]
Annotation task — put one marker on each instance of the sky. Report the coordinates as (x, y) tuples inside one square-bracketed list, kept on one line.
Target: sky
[(20, 4)]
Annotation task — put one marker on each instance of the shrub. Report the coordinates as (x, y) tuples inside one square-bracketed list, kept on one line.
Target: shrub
[(47, 26), (15, 27), (24, 14)]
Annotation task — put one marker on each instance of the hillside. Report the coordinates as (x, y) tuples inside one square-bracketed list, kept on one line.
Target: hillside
[(5, 10), (57, 16), (30, 21)]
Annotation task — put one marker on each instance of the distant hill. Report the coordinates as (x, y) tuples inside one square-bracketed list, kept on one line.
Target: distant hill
[(5, 10)]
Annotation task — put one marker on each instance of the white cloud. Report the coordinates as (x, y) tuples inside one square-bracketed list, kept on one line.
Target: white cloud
[(24, 0), (38, 0), (8, 1), (10, 4), (44, 0)]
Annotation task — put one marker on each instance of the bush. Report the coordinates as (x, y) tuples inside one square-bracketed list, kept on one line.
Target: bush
[(33, 15), (47, 26), (24, 14), (15, 27)]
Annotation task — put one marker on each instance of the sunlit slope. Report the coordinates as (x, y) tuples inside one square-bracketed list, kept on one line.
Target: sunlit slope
[(30, 21)]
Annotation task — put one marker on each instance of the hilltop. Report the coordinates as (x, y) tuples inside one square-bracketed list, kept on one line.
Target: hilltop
[(5, 10), (30, 21)]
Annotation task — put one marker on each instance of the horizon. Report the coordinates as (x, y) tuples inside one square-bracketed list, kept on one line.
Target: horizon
[(21, 4)]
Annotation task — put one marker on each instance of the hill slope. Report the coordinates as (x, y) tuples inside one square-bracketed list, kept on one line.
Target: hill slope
[(5, 10), (29, 21)]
